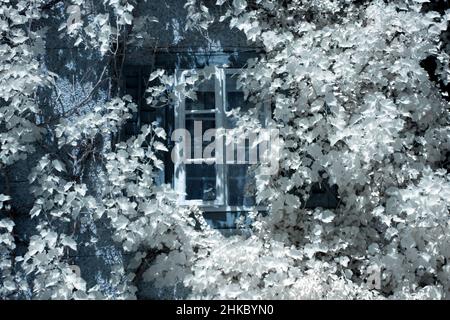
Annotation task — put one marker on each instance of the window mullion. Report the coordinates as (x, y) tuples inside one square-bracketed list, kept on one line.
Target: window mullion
[(220, 124), (180, 123)]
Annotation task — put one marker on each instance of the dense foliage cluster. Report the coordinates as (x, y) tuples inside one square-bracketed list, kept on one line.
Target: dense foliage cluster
[(355, 105)]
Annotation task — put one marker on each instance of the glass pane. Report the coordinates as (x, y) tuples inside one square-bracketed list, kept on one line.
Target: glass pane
[(205, 101), (205, 85), (203, 122), (232, 82), (235, 96), (241, 186), (200, 182), (206, 98), (235, 99)]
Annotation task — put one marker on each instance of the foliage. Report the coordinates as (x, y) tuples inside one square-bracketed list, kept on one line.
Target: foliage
[(355, 108)]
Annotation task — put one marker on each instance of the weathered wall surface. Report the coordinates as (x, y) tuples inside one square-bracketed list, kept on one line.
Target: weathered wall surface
[(169, 36)]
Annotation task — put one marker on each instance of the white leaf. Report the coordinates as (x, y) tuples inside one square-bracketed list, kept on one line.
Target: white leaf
[(77, 42), (121, 222), (156, 74), (58, 165), (128, 18), (69, 242), (159, 146), (9, 285), (240, 4), (4, 197), (8, 224), (325, 216), (35, 211), (160, 133)]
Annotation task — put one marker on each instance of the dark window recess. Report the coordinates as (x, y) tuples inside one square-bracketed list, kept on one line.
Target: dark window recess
[(201, 182), (436, 5), (207, 122), (240, 185), (429, 64), (323, 195)]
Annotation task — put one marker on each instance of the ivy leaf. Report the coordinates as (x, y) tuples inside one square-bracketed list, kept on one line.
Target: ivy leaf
[(35, 211), (4, 197), (69, 242), (8, 224), (160, 133), (159, 146), (128, 18), (240, 5), (156, 74), (58, 165), (325, 216)]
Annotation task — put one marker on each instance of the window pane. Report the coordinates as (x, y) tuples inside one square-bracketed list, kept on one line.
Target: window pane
[(204, 122), (231, 82), (235, 99), (200, 182), (206, 99), (241, 186), (235, 96), (205, 85)]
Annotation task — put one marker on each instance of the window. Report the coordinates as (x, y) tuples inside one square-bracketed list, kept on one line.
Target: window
[(224, 193), (215, 183)]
